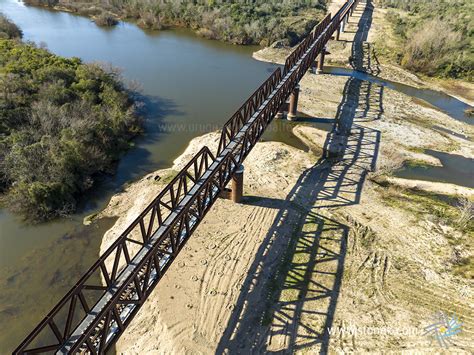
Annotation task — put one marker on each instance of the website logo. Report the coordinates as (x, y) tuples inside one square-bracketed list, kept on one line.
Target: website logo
[(443, 328)]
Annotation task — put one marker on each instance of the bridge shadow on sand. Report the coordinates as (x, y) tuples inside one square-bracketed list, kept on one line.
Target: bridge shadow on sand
[(289, 297), (363, 56)]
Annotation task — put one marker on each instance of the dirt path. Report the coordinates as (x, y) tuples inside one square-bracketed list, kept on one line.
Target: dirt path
[(320, 242)]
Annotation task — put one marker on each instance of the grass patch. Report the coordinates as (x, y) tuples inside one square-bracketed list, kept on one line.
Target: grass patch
[(90, 218), (415, 149), (167, 177), (420, 202), (422, 122), (452, 144), (275, 287), (445, 210), (416, 163), (465, 267)]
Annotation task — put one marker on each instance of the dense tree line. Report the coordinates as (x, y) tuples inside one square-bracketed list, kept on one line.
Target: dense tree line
[(62, 122), (435, 37), (235, 21)]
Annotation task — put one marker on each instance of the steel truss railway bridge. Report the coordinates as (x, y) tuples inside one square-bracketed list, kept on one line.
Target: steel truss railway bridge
[(95, 312)]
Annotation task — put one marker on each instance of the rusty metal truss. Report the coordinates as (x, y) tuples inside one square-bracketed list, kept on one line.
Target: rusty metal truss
[(96, 311)]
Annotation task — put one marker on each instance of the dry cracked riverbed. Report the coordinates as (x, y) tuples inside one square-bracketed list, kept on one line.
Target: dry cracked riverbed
[(324, 240)]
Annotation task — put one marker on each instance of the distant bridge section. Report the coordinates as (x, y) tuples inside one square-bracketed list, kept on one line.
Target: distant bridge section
[(96, 311)]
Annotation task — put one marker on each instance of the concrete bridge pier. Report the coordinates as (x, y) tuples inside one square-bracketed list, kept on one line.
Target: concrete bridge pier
[(237, 190), (320, 64), (281, 112), (293, 103)]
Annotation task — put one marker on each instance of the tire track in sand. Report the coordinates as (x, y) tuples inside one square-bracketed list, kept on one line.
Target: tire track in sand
[(226, 267)]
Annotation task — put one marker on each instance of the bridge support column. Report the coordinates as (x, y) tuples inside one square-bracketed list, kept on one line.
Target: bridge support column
[(293, 103), (237, 190), (320, 65), (338, 33), (281, 112)]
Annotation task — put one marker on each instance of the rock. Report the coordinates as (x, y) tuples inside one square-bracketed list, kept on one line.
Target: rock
[(279, 44)]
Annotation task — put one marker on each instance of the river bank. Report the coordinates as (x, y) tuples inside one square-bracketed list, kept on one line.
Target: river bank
[(236, 23), (461, 90), (341, 53), (316, 230)]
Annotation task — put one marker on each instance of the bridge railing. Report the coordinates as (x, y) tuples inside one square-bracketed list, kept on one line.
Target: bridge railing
[(243, 114), (341, 14), (91, 317), (85, 294), (305, 44), (159, 253)]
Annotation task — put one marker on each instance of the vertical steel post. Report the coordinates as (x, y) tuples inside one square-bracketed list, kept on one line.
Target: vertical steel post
[(293, 103), (237, 185)]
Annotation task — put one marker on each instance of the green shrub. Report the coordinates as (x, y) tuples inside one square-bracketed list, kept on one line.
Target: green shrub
[(435, 37), (105, 19), (431, 47), (62, 123), (8, 29)]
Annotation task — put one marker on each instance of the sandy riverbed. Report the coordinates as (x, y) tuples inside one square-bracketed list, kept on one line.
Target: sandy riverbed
[(320, 241)]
